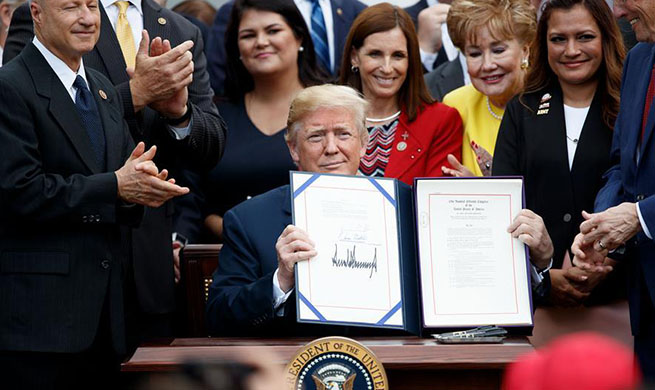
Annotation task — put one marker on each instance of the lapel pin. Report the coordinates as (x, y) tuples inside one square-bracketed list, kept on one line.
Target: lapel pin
[(544, 105), (339, 11), (545, 98), (102, 94), (402, 145), (161, 21), (542, 112)]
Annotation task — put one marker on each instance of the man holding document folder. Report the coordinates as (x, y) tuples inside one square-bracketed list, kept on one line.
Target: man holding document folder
[(255, 275)]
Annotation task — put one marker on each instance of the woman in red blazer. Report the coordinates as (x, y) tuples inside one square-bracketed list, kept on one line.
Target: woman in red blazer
[(410, 135)]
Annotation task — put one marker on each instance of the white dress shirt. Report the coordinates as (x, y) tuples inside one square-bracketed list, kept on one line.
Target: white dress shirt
[(279, 296), (65, 74), (305, 7)]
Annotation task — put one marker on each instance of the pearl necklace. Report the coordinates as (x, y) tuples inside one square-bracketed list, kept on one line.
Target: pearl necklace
[(499, 117), (390, 117)]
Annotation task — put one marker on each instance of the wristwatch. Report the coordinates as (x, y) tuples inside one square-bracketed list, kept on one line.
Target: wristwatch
[(182, 119)]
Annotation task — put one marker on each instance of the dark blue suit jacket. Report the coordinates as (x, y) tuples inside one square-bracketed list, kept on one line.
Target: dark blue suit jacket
[(632, 181), (343, 14), (241, 295)]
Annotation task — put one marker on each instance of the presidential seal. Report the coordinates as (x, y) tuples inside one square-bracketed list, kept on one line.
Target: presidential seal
[(335, 363)]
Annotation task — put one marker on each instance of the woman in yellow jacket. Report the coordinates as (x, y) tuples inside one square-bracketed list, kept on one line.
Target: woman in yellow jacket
[(494, 36)]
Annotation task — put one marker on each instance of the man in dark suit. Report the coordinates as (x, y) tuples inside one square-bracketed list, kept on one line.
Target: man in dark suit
[(624, 222), (337, 23), (167, 102), (67, 184), (250, 293)]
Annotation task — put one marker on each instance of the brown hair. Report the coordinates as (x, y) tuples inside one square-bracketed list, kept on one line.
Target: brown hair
[(199, 9), (505, 19), (379, 18), (611, 68)]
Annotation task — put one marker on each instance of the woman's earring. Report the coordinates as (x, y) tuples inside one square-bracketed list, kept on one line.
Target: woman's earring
[(354, 69), (301, 49), (525, 63)]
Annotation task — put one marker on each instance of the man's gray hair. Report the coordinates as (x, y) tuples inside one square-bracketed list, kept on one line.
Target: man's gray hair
[(327, 96)]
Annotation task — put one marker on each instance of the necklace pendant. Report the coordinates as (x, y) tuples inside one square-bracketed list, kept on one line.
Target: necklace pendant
[(402, 145)]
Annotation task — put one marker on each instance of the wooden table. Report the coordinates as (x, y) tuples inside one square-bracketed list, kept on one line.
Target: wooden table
[(410, 362)]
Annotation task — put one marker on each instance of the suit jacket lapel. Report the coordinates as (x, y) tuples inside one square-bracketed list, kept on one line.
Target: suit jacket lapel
[(152, 22), (557, 124), (60, 105), (401, 161), (453, 75), (650, 122), (589, 141), (341, 27), (111, 122), (109, 50)]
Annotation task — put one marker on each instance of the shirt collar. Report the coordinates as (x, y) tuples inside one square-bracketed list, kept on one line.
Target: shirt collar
[(136, 3), (432, 2), (65, 74)]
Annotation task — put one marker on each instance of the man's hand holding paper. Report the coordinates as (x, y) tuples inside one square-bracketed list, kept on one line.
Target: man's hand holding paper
[(292, 246)]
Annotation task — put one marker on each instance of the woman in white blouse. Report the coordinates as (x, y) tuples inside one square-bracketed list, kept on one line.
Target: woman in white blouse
[(557, 135)]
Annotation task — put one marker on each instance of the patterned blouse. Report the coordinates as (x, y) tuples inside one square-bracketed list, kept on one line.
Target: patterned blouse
[(378, 150)]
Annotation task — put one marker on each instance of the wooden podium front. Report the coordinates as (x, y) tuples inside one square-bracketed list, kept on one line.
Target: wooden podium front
[(410, 362)]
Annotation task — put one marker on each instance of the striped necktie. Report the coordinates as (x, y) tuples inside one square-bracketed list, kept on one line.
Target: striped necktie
[(319, 37), (124, 34)]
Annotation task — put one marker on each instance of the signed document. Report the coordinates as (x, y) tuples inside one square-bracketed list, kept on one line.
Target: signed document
[(356, 278), (472, 271)]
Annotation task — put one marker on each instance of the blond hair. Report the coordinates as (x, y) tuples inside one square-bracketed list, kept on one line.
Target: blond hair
[(505, 19), (327, 96)]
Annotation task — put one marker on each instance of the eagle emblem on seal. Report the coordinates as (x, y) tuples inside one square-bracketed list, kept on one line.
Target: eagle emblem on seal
[(334, 376)]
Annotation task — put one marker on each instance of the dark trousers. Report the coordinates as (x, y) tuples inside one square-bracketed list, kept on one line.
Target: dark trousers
[(97, 367)]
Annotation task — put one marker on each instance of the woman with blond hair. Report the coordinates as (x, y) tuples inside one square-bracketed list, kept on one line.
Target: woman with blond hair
[(495, 38)]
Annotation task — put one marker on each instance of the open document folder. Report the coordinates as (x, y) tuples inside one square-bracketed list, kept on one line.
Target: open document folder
[(368, 267), (365, 270)]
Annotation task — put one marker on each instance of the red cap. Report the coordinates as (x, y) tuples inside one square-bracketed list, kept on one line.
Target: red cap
[(581, 361)]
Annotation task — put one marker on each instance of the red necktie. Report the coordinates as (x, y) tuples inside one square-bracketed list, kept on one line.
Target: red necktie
[(649, 101)]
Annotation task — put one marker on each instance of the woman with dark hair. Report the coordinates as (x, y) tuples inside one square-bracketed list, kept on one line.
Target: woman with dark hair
[(270, 58), (557, 135), (410, 133)]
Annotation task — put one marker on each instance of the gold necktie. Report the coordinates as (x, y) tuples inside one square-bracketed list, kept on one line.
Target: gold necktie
[(124, 34)]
